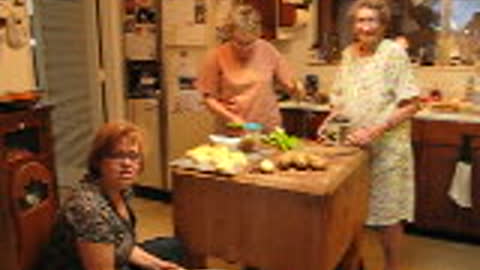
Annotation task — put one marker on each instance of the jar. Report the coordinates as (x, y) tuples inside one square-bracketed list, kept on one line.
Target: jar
[(337, 130)]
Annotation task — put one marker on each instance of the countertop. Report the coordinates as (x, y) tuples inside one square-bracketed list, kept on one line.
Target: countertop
[(445, 116), (422, 115), (342, 162), (304, 105)]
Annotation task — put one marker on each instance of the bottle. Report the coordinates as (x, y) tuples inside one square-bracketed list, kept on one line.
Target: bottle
[(470, 88)]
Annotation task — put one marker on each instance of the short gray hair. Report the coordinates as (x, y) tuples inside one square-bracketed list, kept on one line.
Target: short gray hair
[(244, 18), (381, 6)]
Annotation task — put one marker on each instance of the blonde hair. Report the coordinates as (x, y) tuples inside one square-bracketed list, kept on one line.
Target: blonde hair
[(381, 6), (245, 18)]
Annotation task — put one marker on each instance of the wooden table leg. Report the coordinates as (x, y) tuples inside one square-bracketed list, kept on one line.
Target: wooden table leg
[(353, 259), (195, 261)]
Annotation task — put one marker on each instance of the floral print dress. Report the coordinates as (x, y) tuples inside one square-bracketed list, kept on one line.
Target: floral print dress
[(88, 215), (367, 90)]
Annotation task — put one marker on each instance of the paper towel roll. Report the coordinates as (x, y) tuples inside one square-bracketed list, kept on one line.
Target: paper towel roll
[(303, 17)]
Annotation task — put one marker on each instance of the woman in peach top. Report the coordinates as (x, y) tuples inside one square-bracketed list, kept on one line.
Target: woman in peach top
[(237, 77)]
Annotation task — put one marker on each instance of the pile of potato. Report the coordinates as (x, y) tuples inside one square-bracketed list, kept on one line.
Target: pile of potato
[(296, 160), (301, 160), (222, 158)]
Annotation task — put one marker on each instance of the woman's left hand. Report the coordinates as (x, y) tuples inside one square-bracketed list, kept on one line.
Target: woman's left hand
[(166, 265), (364, 135)]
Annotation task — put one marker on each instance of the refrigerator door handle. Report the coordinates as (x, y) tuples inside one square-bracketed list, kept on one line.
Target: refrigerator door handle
[(151, 108)]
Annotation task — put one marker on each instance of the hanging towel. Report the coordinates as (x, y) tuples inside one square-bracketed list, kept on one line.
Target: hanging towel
[(460, 187)]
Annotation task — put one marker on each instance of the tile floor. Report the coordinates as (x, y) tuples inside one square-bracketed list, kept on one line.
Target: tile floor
[(420, 253)]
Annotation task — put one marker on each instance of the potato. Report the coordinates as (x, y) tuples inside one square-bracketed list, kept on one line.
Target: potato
[(267, 166), (285, 160), (300, 160), (317, 163)]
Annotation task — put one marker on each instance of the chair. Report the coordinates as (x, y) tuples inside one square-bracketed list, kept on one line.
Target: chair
[(34, 204)]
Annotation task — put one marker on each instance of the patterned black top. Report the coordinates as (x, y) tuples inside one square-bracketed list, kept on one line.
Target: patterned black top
[(89, 215)]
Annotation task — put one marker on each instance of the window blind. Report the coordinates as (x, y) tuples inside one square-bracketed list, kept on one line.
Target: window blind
[(63, 30)]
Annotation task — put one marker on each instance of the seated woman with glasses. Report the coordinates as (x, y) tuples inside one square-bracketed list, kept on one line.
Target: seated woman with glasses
[(96, 225), (237, 77)]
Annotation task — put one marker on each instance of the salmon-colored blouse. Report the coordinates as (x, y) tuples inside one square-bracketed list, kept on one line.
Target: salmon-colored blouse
[(249, 85)]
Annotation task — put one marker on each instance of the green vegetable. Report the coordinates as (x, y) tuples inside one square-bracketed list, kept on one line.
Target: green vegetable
[(234, 125), (250, 126), (282, 140)]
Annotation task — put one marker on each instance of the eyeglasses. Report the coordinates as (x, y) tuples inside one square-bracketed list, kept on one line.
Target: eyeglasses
[(367, 20), (243, 44), (133, 156)]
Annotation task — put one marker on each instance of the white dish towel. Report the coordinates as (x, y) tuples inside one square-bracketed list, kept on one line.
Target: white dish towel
[(461, 186)]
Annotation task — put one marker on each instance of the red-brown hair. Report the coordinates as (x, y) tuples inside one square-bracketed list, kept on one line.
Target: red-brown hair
[(107, 138)]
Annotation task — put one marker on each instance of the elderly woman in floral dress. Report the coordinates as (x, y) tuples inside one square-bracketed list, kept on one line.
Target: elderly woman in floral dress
[(375, 90)]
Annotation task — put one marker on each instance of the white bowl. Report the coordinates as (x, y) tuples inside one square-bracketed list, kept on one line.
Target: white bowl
[(225, 140)]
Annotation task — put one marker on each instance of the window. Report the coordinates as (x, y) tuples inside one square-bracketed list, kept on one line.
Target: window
[(463, 12), (421, 21), (459, 30)]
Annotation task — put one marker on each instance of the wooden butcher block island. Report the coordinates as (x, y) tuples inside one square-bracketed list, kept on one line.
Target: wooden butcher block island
[(289, 220)]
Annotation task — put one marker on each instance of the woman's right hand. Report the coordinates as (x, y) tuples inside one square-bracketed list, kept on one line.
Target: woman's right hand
[(228, 110), (321, 128), (365, 135), (232, 106), (300, 92)]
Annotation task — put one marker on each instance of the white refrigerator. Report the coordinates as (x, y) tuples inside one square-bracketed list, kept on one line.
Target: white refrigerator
[(188, 32), (147, 114)]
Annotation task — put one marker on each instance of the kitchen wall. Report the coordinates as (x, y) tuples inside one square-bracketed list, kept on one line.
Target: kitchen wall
[(16, 64)]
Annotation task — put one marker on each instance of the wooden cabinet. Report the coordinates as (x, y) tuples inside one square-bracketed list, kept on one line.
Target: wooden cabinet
[(438, 145), (28, 191), (326, 16), (268, 10), (302, 122), (275, 13)]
